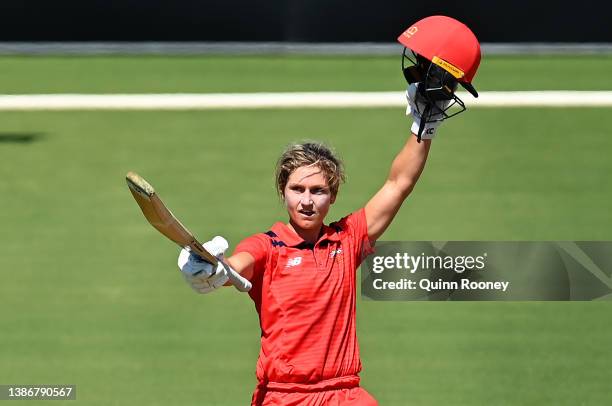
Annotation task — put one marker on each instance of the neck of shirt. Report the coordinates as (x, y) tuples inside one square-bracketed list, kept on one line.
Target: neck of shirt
[(310, 237)]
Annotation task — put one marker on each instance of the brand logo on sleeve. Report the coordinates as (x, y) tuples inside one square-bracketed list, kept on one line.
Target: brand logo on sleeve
[(335, 252)]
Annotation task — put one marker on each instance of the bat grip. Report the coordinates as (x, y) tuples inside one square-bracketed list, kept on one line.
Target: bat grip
[(240, 282)]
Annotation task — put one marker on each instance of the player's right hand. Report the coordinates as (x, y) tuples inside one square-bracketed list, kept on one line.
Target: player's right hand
[(202, 276), (416, 106)]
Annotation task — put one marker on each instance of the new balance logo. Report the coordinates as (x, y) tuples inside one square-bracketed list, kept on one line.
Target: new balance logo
[(293, 262)]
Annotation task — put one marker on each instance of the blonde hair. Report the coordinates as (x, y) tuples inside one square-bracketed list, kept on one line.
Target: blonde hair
[(309, 154)]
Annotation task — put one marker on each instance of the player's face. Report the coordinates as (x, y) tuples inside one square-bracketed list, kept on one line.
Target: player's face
[(308, 197)]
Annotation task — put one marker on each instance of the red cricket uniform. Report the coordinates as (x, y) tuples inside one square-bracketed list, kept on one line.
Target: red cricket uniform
[(305, 296)]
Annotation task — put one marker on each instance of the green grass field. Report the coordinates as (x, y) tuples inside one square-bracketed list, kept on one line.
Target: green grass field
[(90, 294), (148, 74)]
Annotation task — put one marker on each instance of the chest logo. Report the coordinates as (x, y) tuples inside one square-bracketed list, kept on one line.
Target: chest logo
[(293, 262), (335, 252)]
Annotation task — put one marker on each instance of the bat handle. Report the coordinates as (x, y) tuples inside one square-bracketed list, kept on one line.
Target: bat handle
[(240, 282)]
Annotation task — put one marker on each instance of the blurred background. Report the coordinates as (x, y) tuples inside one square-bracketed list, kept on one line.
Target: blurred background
[(89, 292), (294, 20)]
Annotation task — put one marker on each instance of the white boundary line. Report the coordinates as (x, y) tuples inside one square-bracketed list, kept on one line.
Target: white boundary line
[(269, 48), (289, 100)]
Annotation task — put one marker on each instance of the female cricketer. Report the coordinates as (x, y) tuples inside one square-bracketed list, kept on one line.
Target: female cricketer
[(303, 271)]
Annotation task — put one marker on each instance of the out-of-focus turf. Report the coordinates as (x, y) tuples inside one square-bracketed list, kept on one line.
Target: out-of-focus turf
[(90, 295), (149, 74)]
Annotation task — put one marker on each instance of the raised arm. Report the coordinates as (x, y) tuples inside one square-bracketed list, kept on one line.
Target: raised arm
[(407, 165), (404, 174)]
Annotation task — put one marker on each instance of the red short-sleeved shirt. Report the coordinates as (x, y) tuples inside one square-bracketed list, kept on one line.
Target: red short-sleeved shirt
[(305, 297)]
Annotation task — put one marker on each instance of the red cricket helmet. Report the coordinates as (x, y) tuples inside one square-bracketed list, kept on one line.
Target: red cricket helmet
[(447, 43)]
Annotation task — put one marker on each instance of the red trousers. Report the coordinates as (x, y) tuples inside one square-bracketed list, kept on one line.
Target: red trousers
[(343, 394)]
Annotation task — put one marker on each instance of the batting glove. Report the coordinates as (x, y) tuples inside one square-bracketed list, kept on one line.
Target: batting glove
[(202, 276), (416, 107)]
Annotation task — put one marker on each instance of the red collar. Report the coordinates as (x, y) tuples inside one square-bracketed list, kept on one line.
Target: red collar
[(291, 239)]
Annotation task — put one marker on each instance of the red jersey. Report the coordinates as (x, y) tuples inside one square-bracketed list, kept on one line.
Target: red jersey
[(305, 296)]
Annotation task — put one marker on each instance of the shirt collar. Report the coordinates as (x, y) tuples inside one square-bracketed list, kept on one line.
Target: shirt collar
[(291, 239)]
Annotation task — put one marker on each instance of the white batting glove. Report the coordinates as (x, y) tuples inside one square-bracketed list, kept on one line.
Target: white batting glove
[(202, 276), (417, 100)]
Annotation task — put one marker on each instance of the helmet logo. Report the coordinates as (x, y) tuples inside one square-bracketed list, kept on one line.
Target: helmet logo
[(410, 31), (449, 67)]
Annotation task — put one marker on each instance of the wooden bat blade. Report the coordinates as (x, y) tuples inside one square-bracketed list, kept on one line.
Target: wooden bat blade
[(137, 184), (160, 217)]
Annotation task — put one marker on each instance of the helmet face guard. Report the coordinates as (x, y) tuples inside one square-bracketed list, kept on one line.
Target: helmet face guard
[(445, 53), (435, 85)]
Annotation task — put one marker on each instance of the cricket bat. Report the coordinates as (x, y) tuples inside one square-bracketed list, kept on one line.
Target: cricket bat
[(160, 217)]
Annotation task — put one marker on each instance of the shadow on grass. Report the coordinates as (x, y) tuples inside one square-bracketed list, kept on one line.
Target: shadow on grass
[(20, 138)]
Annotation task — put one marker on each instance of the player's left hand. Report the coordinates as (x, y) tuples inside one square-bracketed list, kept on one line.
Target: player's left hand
[(202, 276), (416, 107)]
